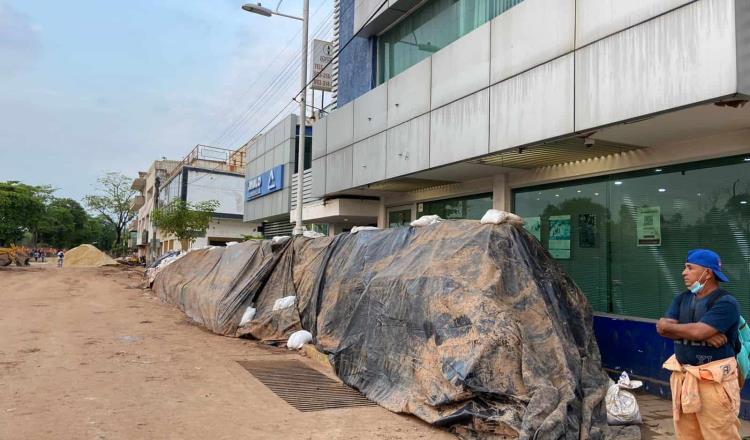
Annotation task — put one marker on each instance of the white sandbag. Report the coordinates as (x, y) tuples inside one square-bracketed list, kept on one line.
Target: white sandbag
[(496, 217), (426, 220), (312, 234), (280, 239), (622, 407), (232, 243), (298, 339), (247, 316), (362, 228), (283, 303)]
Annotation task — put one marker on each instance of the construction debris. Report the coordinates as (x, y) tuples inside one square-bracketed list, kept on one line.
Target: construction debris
[(468, 326), (87, 255), (12, 255)]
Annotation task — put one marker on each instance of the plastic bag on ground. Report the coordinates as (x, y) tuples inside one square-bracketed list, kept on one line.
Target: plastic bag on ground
[(426, 220), (283, 303), (247, 316), (298, 339), (496, 217), (362, 228), (622, 406)]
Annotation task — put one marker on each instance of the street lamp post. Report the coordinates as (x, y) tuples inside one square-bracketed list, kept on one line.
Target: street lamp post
[(258, 9)]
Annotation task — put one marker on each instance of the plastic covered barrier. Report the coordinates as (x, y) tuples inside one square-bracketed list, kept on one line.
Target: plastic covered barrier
[(214, 286), (468, 326)]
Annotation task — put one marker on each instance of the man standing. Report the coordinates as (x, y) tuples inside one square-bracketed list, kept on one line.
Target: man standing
[(703, 322)]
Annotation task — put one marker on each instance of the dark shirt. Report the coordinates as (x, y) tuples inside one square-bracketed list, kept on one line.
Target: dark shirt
[(724, 316)]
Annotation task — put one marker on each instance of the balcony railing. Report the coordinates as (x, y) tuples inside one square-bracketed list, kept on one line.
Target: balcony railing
[(137, 202)]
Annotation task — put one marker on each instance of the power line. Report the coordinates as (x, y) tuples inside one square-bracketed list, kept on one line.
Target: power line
[(272, 90), (268, 67), (303, 117)]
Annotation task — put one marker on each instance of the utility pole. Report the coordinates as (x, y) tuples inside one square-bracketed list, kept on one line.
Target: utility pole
[(258, 9)]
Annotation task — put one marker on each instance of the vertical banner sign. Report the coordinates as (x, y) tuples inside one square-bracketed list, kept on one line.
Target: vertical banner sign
[(534, 226), (648, 226), (322, 54), (559, 237)]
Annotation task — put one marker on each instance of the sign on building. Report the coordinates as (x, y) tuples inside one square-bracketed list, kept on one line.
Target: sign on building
[(322, 54), (266, 183)]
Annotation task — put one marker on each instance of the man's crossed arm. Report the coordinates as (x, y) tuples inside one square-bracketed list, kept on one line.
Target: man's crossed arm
[(694, 331)]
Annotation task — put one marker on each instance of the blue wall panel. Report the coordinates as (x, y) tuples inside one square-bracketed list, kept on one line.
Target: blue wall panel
[(356, 61), (633, 345)]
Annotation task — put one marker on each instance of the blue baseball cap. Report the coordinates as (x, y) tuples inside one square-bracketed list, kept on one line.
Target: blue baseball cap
[(708, 259)]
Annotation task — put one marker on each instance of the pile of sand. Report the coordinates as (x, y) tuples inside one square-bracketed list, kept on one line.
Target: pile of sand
[(87, 255)]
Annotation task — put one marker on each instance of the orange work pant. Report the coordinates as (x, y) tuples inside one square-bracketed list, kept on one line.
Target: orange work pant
[(717, 419)]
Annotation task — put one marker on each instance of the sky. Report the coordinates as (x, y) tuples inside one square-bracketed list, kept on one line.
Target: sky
[(88, 87)]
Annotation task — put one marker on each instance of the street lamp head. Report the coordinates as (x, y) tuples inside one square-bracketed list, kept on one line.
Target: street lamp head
[(257, 9)]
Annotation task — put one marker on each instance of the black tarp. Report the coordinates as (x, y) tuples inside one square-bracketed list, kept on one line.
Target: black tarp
[(468, 326)]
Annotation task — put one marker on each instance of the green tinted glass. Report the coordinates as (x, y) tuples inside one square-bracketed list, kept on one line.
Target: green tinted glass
[(432, 27), (630, 234), (470, 207)]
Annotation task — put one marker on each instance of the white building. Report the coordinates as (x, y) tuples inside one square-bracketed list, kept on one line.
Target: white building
[(147, 183), (210, 173)]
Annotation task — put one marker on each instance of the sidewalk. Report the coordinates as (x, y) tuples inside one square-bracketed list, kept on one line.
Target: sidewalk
[(657, 418)]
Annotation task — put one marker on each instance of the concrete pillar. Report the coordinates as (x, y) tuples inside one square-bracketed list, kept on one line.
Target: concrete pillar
[(500, 193), (382, 215)]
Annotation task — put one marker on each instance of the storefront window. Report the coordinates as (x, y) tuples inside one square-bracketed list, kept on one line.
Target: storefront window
[(470, 207), (628, 235), (398, 218), (432, 27)]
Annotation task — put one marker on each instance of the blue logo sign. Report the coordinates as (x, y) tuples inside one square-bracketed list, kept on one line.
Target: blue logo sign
[(268, 182)]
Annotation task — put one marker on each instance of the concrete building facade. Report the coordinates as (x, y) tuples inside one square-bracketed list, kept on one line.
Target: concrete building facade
[(146, 240), (619, 129), (271, 165)]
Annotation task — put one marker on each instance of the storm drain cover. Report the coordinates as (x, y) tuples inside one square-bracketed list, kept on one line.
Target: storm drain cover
[(302, 387)]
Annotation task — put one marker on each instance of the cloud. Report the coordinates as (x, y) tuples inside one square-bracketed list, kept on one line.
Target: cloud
[(19, 40)]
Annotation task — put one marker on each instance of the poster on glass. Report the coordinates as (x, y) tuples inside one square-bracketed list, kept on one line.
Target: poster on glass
[(648, 226), (559, 236)]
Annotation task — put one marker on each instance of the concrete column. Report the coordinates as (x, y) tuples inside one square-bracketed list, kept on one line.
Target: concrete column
[(500, 193), (382, 215)]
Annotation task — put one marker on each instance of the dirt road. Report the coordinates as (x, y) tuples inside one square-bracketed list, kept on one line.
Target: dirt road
[(86, 354)]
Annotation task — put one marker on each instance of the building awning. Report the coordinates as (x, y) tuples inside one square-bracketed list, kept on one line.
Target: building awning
[(567, 150)]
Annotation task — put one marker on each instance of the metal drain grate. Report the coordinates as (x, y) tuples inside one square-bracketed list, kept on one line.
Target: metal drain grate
[(302, 387)]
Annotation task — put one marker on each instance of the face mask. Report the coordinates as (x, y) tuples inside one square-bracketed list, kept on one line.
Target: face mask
[(696, 287)]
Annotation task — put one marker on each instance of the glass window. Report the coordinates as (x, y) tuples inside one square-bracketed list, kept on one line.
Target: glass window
[(432, 27), (398, 218), (308, 152), (630, 234), (470, 207)]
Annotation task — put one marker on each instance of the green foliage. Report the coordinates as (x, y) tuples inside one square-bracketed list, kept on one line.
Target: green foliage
[(64, 224), (186, 221), (21, 209), (113, 201)]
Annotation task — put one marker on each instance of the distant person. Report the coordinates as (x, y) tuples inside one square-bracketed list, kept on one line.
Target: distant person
[(60, 257), (43, 254), (36, 255), (703, 321)]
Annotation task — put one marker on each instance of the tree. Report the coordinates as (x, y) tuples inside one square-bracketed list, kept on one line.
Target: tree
[(187, 221), (64, 224), (113, 202), (21, 209)]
